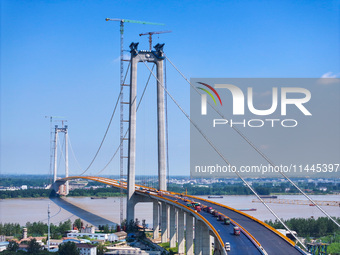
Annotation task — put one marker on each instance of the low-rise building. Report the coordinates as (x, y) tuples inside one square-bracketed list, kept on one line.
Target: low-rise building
[(3, 246), (55, 241), (86, 249), (121, 235), (87, 229), (99, 236), (129, 250), (39, 239), (71, 239)]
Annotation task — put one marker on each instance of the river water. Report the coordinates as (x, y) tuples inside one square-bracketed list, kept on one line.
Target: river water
[(106, 211)]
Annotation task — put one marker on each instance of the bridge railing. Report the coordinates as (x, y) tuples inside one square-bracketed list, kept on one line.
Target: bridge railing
[(251, 217), (197, 215)]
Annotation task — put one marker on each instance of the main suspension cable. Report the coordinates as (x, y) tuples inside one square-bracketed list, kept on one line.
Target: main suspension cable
[(220, 154), (61, 151), (140, 100), (108, 127), (256, 148), (73, 154)]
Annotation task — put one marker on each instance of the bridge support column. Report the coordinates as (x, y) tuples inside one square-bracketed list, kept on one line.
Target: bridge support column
[(206, 243), (161, 127), (198, 237), (164, 222), (66, 161), (130, 213), (55, 154), (180, 226), (218, 250), (189, 234), (172, 226), (155, 220)]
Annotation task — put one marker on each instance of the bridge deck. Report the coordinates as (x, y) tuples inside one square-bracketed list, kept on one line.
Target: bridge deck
[(239, 244), (268, 239)]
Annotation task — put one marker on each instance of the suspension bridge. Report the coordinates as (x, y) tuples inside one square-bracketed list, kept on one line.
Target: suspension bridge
[(173, 220)]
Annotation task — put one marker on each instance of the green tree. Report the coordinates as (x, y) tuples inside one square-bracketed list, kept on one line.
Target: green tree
[(68, 248), (78, 223), (144, 224), (101, 249), (112, 229), (13, 246), (36, 228), (106, 229), (10, 229), (333, 248), (33, 247), (63, 227), (131, 226)]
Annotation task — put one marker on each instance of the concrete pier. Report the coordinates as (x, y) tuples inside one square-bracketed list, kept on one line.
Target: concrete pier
[(164, 223), (180, 232), (189, 234), (155, 219), (172, 226), (206, 244)]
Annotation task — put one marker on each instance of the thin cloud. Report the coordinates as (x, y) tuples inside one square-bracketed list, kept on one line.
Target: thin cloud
[(125, 56), (328, 78), (329, 75)]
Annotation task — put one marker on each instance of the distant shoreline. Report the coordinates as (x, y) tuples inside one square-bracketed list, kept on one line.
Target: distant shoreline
[(278, 194)]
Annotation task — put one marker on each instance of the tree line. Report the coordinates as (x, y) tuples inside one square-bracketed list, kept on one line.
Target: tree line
[(68, 248), (308, 227), (99, 192), (35, 229), (35, 193), (222, 188), (31, 180)]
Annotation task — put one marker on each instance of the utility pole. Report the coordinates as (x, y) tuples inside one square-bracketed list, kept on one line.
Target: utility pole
[(123, 103), (49, 228)]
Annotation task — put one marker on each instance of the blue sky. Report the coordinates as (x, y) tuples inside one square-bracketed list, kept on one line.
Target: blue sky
[(60, 58)]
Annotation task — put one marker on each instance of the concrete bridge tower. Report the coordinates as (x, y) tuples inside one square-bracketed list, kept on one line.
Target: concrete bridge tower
[(65, 188), (157, 58)]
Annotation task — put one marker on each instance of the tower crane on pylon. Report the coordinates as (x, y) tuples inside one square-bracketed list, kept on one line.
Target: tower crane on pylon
[(153, 33), (122, 85)]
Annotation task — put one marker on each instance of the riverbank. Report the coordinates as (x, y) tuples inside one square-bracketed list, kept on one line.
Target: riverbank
[(42, 193), (35, 209)]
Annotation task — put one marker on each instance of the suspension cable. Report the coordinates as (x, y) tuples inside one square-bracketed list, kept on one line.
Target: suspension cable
[(108, 127), (256, 148), (61, 151), (140, 100), (73, 154), (220, 154)]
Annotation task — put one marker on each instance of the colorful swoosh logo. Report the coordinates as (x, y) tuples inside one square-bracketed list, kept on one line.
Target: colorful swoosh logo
[(209, 93)]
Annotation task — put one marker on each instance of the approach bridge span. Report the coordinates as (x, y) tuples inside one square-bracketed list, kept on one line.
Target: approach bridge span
[(170, 211)]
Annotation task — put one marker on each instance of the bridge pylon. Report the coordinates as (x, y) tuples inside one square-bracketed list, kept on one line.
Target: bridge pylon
[(62, 189), (156, 57)]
